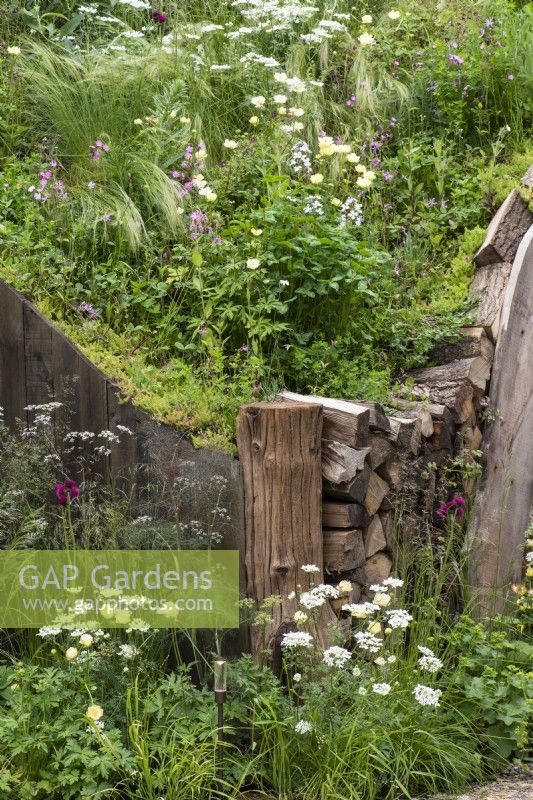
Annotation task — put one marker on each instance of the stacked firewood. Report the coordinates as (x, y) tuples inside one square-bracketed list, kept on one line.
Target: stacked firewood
[(367, 456)]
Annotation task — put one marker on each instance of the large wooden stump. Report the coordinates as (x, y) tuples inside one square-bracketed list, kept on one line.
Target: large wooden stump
[(503, 504), (280, 451)]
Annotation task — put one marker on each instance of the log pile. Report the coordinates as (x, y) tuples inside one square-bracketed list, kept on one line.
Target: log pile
[(365, 456)]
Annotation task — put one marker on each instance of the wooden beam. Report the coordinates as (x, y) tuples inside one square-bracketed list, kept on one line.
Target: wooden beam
[(280, 453)]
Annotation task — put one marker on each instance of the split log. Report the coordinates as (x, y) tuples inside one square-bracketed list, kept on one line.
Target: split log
[(343, 421), (455, 384), (488, 286), (377, 489), (406, 433), (356, 576), (388, 528), (473, 342), (437, 410), (381, 449), (442, 436), (469, 438), (374, 537), (343, 550), (378, 419), (377, 568), (352, 491), (505, 232), (279, 448), (393, 472), (344, 515), (426, 421), (340, 463)]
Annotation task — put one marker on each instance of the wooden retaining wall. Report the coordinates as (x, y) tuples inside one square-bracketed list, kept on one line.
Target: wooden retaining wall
[(38, 364)]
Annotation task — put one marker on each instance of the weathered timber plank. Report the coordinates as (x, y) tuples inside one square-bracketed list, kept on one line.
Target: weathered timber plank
[(12, 362), (503, 503), (125, 455), (38, 356), (279, 448)]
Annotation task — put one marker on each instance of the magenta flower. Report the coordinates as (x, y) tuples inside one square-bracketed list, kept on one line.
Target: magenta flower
[(159, 17), (455, 506), (66, 492)]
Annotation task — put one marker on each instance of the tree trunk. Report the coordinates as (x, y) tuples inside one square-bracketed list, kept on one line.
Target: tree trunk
[(280, 452)]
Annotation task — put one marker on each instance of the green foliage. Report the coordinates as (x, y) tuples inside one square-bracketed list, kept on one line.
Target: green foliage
[(494, 687), (48, 746), (441, 102)]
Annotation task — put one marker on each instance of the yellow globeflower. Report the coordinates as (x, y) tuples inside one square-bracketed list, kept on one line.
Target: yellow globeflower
[(353, 158), (382, 599), (95, 713), (374, 628), (316, 178), (254, 120), (256, 231), (71, 654)]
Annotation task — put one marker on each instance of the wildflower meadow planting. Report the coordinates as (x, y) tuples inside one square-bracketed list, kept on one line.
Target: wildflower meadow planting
[(260, 360)]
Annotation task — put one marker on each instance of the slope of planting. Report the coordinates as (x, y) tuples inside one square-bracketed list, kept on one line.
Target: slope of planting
[(217, 200)]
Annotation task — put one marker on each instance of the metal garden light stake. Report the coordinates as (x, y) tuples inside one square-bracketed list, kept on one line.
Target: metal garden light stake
[(220, 670)]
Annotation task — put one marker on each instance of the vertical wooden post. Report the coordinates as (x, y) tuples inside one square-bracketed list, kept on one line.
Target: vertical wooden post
[(504, 501), (280, 452)]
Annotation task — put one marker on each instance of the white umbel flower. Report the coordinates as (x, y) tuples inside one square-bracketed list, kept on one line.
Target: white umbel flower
[(427, 696), (302, 726), (381, 688), (296, 639), (336, 656)]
